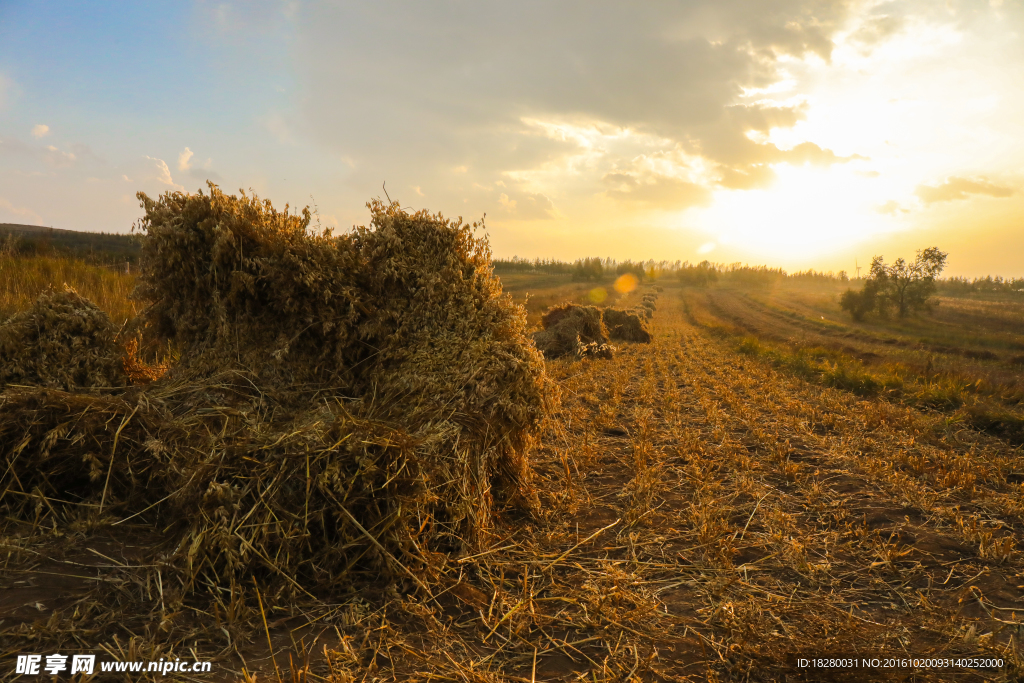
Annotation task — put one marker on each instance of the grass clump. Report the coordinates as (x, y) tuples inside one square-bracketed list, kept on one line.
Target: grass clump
[(62, 342)]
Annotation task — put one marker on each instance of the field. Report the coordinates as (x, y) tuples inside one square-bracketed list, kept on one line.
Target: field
[(765, 481), (110, 248)]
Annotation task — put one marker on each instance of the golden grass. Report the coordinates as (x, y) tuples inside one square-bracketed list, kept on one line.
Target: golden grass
[(971, 382), (22, 280), (706, 514)]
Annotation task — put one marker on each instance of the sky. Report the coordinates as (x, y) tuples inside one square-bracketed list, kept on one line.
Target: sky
[(792, 133)]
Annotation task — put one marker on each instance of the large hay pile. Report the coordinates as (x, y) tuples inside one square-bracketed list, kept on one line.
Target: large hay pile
[(573, 329), (62, 342), (626, 325), (339, 404)]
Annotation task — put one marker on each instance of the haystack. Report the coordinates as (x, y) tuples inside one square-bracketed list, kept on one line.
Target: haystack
[(63, 342), (626, 325), (362, 401), (573, 329), (648, 304)]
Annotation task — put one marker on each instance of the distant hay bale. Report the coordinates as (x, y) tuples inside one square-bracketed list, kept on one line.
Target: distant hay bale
[(626, 325), (64, 342), (555, 314), (659, 289), (648, 305), (573, 329), (365, 401), (646, 313)]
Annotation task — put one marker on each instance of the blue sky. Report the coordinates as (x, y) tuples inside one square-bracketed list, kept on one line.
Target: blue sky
[(800, 133)]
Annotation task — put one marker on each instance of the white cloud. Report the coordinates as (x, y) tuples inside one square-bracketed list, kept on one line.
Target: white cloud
[(185, 164), (40, 130), (164, 173), (19, 213), (59, 158), (185, 160)]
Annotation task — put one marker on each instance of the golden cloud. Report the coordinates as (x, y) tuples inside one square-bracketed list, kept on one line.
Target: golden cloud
[(961, 188), (663, 191)]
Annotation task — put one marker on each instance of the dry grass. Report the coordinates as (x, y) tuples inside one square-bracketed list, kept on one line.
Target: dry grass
[(22, 280), (626, 325), (570, 329), (63, 341), (705, 514), (970, 382)]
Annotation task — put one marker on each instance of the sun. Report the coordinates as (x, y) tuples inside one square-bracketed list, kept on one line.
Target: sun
[(807, 212)]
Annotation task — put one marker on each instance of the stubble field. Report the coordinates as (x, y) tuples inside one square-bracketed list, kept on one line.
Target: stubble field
[(764, 481)]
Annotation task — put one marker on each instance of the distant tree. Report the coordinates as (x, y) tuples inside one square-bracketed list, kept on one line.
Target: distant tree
[(704, 274), (907, 286), (635, 269), (588, 269), (759, 277), (859, 304), (903, 287)]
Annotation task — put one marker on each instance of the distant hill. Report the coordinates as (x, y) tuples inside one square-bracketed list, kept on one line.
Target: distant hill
[(21, 227), (91, 246)]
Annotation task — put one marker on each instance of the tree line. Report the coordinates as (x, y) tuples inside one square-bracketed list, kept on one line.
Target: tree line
[(901, 288)]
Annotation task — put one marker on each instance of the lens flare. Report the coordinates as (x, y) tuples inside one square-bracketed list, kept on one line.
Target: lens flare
[(597, 295), (626, 283)]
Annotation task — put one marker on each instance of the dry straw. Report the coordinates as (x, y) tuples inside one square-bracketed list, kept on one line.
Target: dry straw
[(570, 329), (626, 325), (63, 342), (338, 405)]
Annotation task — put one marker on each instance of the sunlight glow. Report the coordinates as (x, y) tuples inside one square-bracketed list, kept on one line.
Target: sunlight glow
[(807, 211)]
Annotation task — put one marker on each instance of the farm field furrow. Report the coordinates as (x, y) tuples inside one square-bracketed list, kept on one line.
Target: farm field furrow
[(985, 393), (951, 326), (793, 414), (792, 529)]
